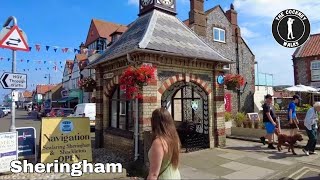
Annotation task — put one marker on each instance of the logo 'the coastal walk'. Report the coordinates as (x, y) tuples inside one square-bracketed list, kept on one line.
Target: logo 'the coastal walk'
[(291, 28)]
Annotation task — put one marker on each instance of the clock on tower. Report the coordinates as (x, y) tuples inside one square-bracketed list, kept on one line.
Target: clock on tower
[(168, 6)]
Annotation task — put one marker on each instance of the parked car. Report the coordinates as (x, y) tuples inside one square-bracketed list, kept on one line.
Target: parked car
[(5, 110), (60, 112), (8, 109), (2, 114), (86, 110)]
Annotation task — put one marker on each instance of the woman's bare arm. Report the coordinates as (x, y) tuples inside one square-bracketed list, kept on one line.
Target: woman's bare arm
[(157, 153)]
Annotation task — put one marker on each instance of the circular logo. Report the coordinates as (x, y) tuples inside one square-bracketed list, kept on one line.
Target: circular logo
[(291, 28), (66, 126), (220, 79)]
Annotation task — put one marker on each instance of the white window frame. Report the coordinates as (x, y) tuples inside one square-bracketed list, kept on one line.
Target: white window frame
[(219, 30), (312, 71)]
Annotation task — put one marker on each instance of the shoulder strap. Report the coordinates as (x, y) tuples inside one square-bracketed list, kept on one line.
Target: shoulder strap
[(164, 169)]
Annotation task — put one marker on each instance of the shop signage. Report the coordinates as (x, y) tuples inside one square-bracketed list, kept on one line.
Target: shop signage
[(8, 150), (108, 76), (67, 140)]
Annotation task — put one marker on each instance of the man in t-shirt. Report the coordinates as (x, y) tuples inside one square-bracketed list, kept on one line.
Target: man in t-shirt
[(292, 115), (269, 120)]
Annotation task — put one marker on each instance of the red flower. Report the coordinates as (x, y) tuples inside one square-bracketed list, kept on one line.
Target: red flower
[(133, 79), (232, 79)]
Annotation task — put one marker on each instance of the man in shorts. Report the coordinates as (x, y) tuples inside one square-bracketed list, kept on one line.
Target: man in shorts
[(269, 120), (292, 115)]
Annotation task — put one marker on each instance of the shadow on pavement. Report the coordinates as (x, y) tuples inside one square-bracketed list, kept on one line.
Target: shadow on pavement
[(275, 153)]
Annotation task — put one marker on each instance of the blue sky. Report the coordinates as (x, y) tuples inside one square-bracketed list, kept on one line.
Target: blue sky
[(65, 23)]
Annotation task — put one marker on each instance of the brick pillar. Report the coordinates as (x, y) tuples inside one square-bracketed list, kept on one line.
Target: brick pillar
[(99, 109), (218, 112), (146, 107)]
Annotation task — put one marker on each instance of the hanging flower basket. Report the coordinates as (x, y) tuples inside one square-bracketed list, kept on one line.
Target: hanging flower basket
[(133, 79), (234, 81), (87, 84)]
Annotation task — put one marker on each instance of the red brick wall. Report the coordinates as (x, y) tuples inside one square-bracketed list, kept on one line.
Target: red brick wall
[(302, 71)]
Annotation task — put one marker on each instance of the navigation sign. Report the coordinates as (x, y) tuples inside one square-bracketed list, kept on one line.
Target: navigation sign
[(26, 141), (14, 40), (8, 150), (13, 81)]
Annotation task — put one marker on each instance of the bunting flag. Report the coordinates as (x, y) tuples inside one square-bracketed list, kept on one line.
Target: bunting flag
[(37, 47), (55, 49), (48, 68), (30, 48), (75, 50), (44, 62), (47, 48), (66, 50), (39, 62), (21, 60), (28, 61), (1, 58), (24, 69), (60, 62), (8, 59)]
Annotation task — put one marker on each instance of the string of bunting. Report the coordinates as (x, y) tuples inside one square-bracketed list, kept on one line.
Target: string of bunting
[(34, 61), (39, 47)]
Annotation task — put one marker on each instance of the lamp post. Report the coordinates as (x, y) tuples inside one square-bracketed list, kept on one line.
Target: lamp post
[(49, 77), (256, 62)]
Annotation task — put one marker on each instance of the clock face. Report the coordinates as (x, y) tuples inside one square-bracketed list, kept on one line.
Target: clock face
[(167, 2), (145, 2)]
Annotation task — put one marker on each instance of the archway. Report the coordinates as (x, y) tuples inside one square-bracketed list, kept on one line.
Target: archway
[(188, 104)]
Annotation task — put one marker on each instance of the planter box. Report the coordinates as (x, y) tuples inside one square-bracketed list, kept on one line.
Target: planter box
[(228, 126), (247, 132)]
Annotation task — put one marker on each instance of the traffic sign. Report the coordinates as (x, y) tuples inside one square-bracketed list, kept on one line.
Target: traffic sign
[(13, 81), (26, 141), (14, 40)]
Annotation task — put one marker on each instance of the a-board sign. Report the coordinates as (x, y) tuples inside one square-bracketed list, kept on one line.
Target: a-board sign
[(254, 116), (65, 139), (8, 150), (26, 141)]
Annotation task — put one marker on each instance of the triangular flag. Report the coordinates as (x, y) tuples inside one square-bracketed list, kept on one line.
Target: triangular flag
[(1, 58), (28, 61), (60, 62), (24, 69), (48, 68), (55, 48), (39, 62), (36, 69), (21, 60), (61, 67), (66, 49), (75, 50), (39, 69), (38, 47), (44, 62), (47, 48), (30, 48), (79, 51), (8, 59)]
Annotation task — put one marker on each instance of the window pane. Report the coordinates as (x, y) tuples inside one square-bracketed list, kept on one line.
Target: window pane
[(114, 114), (177, 110), (216, 34), (122, 108), (222, 35)]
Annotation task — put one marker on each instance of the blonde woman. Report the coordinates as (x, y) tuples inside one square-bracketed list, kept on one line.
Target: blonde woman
[(310, 122), (165, 149)]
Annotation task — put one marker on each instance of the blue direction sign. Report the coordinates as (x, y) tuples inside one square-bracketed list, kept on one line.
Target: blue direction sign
[(26, 141)]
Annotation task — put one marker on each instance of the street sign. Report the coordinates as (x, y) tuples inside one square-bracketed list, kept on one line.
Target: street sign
[(8, 150), (13, 81), (14, 40), (26, 141)]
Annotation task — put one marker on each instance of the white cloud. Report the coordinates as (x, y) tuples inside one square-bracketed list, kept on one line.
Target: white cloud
[(247, 33), (133, 2), (270, 8)]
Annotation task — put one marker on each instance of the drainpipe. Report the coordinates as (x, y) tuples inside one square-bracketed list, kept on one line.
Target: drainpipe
[(238, 67), (136, 131)]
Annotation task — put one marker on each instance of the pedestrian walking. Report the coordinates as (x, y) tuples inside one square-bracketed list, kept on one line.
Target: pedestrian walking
[(310, 122), (165, 149), (269, 120), (292, 115)]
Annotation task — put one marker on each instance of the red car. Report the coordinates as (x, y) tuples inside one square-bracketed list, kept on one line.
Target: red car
[(60, 112)]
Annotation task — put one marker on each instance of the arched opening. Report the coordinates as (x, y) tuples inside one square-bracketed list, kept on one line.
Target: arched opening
[(188, 104)]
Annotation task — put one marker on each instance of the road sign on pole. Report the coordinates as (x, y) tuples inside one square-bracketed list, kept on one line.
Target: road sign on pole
[(13, 81), (14, 40)]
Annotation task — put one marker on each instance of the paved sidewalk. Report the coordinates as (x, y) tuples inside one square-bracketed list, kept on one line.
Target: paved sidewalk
[(247, 160)]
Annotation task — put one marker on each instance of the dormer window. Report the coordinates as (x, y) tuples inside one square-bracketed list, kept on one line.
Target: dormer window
[(219, 35), (115, 37)]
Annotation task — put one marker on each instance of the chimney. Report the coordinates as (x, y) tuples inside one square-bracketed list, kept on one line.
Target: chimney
[(82, 47), (197, 17), (232, 15)]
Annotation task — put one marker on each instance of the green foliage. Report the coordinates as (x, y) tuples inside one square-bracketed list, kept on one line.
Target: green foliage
[(239, 118), (228, 116), (304, 108)]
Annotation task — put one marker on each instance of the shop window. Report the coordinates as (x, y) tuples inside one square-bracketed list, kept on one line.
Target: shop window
[(121, 111), (219, 35), (315, 70)]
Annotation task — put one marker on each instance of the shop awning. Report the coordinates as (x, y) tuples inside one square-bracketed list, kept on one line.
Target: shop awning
[(65, 99)]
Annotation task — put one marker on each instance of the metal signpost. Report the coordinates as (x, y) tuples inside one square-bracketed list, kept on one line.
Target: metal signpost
[(13, 38)]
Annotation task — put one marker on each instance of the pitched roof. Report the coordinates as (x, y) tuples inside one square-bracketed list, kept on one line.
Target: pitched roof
[(42, 89), (27, 94), (55, 88), (121, 30), (309, 48), (101, 29), (160, 32)]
